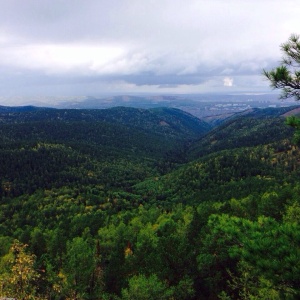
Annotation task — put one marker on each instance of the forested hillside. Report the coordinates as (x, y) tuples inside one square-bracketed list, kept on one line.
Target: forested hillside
[(251, 128), (148, 204)]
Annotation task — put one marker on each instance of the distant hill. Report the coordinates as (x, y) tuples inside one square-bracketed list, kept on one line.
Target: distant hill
[(218, 119), (115, 201), (212, 108), (14, 109), (250, 128), (52, 147), (245, 155), (165, 121), (142, 101), (120, 146), (226, 174)]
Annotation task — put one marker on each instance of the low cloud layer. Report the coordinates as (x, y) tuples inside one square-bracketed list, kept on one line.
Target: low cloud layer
[(91, 47)]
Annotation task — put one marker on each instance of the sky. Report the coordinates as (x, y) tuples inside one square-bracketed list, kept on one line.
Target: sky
[(73, 48)]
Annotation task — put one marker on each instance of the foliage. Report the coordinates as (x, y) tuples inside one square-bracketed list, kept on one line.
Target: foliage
[(256, 128), (266, 258), (108, 212), (294, 122), (81, 272), (143, 288), (287, 76), (19, 276)]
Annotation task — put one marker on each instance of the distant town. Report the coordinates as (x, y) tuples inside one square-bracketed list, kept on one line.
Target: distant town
[(201, 106)]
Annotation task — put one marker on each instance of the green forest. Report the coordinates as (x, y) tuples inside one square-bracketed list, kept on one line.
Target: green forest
[(148, 204)]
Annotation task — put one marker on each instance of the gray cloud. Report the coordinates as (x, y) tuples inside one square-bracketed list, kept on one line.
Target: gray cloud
[(89, 46)]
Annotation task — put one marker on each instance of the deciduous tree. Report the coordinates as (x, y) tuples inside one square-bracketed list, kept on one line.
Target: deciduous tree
[(20, 277)]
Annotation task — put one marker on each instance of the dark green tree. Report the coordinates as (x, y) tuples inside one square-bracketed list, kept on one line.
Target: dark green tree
[(287, 76), (295, 123)]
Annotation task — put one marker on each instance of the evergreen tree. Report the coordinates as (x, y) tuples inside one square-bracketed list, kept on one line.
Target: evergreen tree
[(287, 76)]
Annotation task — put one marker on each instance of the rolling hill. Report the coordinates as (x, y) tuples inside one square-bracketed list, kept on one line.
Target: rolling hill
[(250, 128), (42, 148), (102, 203)]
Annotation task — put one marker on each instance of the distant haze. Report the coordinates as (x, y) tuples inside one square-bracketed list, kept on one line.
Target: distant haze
[(73, 48)]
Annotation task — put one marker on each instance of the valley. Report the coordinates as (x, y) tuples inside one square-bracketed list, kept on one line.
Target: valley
[(149, 203)]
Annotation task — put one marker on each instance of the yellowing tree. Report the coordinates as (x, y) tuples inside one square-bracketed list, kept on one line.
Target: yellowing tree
[(18, 273)]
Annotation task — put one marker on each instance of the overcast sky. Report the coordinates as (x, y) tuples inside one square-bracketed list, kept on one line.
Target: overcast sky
[(91, 47)]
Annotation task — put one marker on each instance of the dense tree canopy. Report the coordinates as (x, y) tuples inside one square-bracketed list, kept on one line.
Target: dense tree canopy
[(87, 215)]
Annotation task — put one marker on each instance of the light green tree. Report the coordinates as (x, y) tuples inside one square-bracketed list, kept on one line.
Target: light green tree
[(266, 253), (81, 273), (141, 287)]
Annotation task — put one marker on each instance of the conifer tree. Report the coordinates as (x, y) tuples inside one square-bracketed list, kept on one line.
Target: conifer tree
[(287, 76)]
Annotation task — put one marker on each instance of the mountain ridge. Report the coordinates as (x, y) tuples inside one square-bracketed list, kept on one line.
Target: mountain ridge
[(120, 206), (144, 119)]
